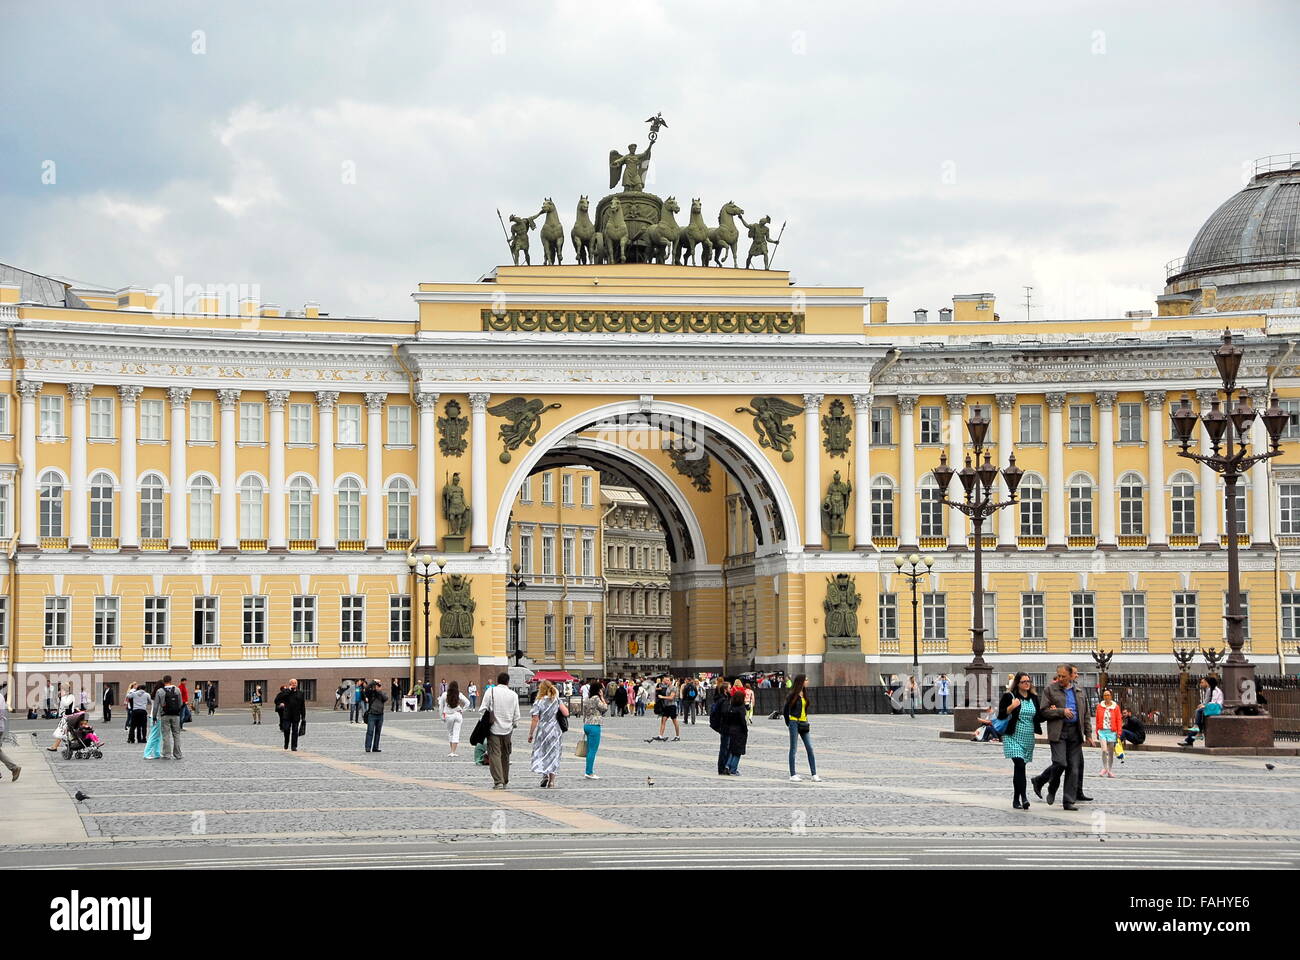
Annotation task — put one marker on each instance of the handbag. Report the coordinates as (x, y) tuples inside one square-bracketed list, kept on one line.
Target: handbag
[(561, 721), (1212, 710), (803, 726), (302, 727), (481, 729), (581, 749)]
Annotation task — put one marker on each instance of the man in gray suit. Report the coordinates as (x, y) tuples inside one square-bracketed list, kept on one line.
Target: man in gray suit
[(1067, 731)]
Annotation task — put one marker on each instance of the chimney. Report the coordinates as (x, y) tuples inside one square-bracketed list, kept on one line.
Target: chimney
[(248, 307), (945, 314), (311, 309), (878, 310), (208, 303), (135, 298), (270, 310), (973, 308), (920, 316)]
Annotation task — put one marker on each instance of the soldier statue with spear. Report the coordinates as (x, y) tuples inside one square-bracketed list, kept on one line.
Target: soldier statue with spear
[(759, 233)]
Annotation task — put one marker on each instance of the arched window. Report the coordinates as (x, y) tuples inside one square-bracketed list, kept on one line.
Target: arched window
[(300, 509), (1130, 506), (882, 507), (349, 509), (101, 505), (1030, 494), (1080, 505), (931, 508), (51, 504), (151, 507), (1182, 501), (250, 509), (201, 526), (399, 510)]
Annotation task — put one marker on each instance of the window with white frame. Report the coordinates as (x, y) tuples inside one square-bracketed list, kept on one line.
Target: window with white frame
[(568, 556), (151, 507), (526, 490), (1080, 506), (101, 505), (399, 619), (525, 552), (251, 423), (1081, 423), (51, 508), (548, 554), (300, 415), (201, 502), (1288, 508), (302, 624), (106, 622), (254, 632), (882, 426), (251, 493), (588, 568), (51, 416), (586, 491), (300, 527), (349, 422), (1291, 615), (934, 616), (1243, 599), (101, 418), (932, 509), (1240, 501), (1131, 523), (5, 428), (588, 637), (887, 616), (1033, 616), (568, 636), (1130, 422), (399, 510), (152, 420), (399, 424), (1030, 495), (349, 509), (1182, 504), (1083, 616), (56, 621), (6, 505), (1292, 409), (990, 615), (205, 621), (566, 489), (931, 425), (548, 492), (611, 557), (882, 507), (548, 635), (352, 620), (4, 621), (156, 610), (201, 420), (1031, 423), (1134, 616), (1186, 626)]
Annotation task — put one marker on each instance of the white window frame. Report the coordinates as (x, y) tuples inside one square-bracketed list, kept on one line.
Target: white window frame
[(153, 420), (399, 619), (157, 621), (300, 422), (253, 624), (1031, 423), (931, 425), (1083, 615), (58, 616), (1080, 423), (399, 424), (101, 418), (1133, 616), (108, 622), (1130, 422), (202, 521), (252, 421), (51, 416), (201, 424), (207, 610), (1187, 618), (1033, 616), (302, 620), (349, 423), (352, 618), (887, 614)]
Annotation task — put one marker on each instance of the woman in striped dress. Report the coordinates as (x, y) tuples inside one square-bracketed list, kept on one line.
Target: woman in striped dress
[(1020, 708), (544, 733)]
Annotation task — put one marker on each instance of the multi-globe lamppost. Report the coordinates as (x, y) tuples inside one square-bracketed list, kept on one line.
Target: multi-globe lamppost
[(516, 582), (426, 577), (913, 578), (1230, 458), (980, 504)]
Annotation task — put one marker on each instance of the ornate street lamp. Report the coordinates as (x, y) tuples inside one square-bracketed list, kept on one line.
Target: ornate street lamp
[(1184, 656), (979, 504), (516, 582), (426, 577), (913, 578), (1230, 458), (1102, 659)]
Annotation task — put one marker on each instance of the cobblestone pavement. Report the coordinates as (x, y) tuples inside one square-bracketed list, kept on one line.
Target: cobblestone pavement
[(885, 779)]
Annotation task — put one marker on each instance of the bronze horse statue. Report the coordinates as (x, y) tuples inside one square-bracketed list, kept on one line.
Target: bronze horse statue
[(552, 235), (661, 238), (696, 233), (583, 234), (614, 236), (722, 238)]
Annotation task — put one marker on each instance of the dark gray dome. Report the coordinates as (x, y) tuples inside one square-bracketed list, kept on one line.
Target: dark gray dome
[(1261, 224)]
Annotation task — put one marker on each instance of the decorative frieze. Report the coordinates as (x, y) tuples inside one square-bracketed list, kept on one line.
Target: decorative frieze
[(642, 321)]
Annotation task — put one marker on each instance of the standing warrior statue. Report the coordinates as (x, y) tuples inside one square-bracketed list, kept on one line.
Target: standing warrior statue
[(759, 234), (519, 227)]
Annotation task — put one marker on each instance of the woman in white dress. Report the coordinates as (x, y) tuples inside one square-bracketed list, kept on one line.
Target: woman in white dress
[(453, 704), (67, 705)]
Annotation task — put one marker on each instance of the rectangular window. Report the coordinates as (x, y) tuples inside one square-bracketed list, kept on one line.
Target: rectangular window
[(1031, 509), (586, 491), (526, 490), (353, 619), (303, 624), (101, 418), (1081, 423), (106, 610), (1244, 601), (300, 422), (1130, 422), (990, 615), (566, 490), (6, 491), (882, 511), (205, 621), (1031, 423), (51, 416), (1292, 409), (932, 510), (1083, 616), (934, 616), (1288, 506), (1291, 615), (568, 570), (1081, 511), (4, 416), (250, 423), (152, 420), (1185, 620), (155, 621), (1033, 617), (200, 419), (4, 621), (588, 637), (399, 619), (56, 621), (399, 424), (1134, 609), (255, 620), (548, 492), (568, 636), (882, 426), (548, 554), (588, 568), (349, 415), (548, 635), (931, 425), (888, 615), (525, 553)]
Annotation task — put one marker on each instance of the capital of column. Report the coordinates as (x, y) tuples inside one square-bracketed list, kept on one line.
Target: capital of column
[(812, 402), (129, 393), (862, 402), (1155, 399), (478, 402), (80, 392), (956, 402), (375, 401), (906, 403), (1055, 400), (1207, 397), (179, 396), (425, 399), (1006, 401), (1105, 399), (29, 389), (1259, 398), (229, 399), (326, 399), (276, 399)]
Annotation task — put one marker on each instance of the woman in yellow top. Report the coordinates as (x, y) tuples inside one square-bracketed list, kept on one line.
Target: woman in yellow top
[(797, 708)]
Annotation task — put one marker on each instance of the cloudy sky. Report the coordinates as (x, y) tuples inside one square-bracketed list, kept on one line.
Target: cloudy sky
[(344, 152)]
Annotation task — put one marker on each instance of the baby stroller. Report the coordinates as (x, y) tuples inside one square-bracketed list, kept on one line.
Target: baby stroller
[(76, 745)]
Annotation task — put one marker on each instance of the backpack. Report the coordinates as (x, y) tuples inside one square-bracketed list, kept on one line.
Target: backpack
[(171, 702), (715, 715), (690, 692)]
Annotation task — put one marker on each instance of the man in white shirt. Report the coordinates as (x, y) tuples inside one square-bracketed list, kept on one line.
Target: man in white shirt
[(504, 704), (138, 702)]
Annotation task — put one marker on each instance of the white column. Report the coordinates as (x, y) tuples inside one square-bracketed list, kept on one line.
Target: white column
[(1056, 470), (1106, 468), (29, 526), (1157, 430), (128, 529), (956, 460), (229, 533), (812, 472), (276, 534), (862, 471), (376, 529), (1259, 492), (478, 468), (427, 537), (325, 400), (1007, 515), (907, 472), (1211, 498), (78, 393), (179, 397)]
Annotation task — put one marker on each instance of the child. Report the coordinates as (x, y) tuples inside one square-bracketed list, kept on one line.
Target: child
[(1108, 726), (87, 732)]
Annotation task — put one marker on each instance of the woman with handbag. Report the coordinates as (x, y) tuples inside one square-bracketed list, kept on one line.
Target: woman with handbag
[(1211, 706), (1109, 724), (1018, 720), (546, 733), (795, 714), (594, 707)]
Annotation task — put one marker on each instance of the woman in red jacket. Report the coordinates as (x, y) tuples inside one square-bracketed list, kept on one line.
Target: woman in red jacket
[(1109, 724)]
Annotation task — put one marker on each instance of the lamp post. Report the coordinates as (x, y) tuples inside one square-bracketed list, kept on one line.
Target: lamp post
[(516, 583), (913, 578), (426, 577), (1230, 458), (1102, 659), (1184, 656), (979, 504)]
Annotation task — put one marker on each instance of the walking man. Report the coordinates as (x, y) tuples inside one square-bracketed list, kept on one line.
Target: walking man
[(356, 700), (1067, 731), (292, 709), (108, 701), (138, 704), (504, 704), (375, 700), (14, 769), (167, 706)]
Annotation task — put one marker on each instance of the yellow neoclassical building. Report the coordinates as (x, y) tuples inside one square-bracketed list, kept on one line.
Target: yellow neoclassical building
[(229, 491)]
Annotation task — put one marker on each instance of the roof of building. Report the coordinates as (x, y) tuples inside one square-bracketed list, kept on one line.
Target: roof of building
[(35, 288), (1259, 224)]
